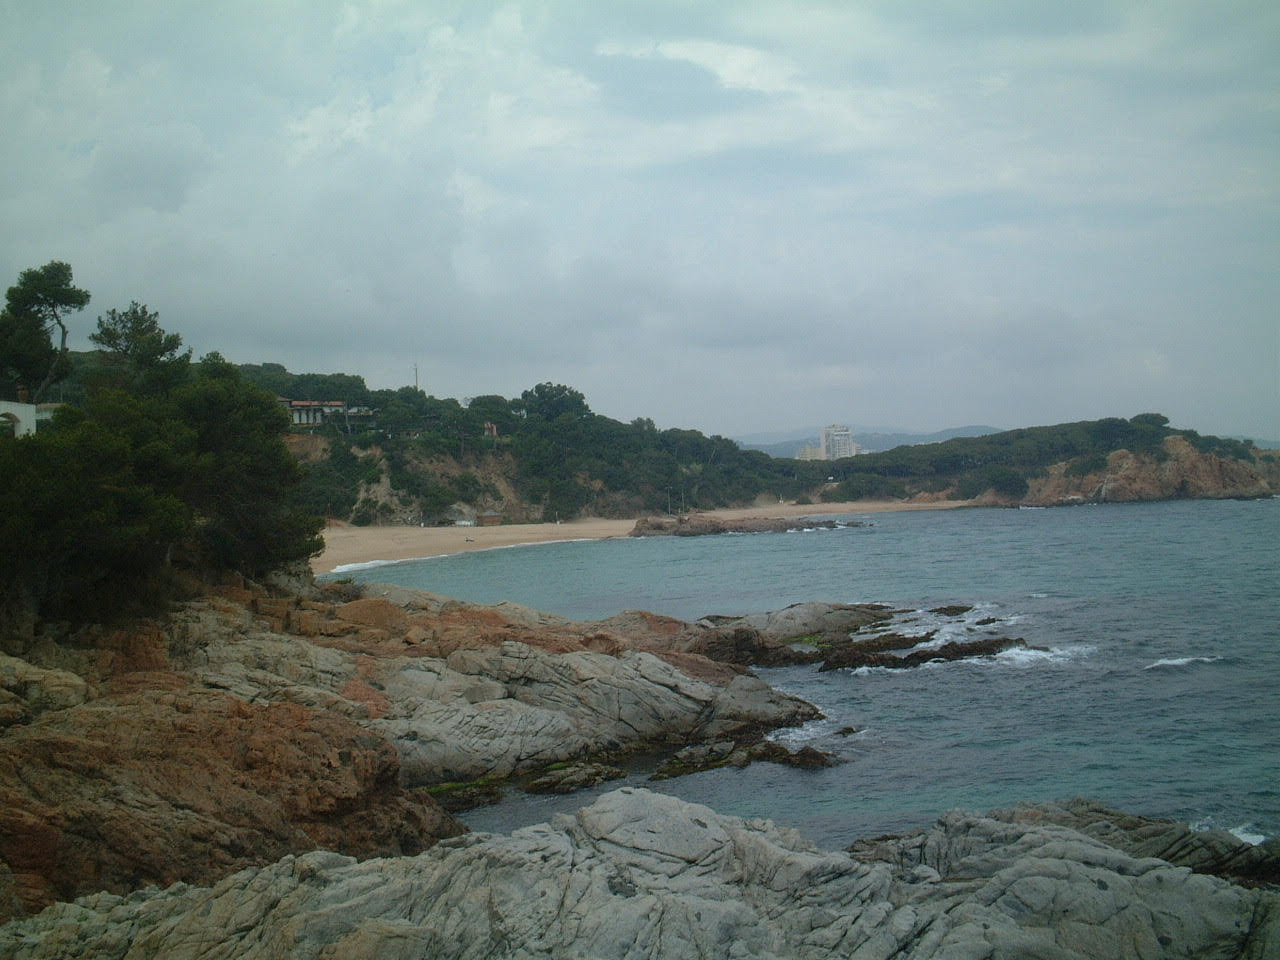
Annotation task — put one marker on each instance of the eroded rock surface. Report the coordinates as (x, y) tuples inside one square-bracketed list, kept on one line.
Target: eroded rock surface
[(247, 726), (639, 875)]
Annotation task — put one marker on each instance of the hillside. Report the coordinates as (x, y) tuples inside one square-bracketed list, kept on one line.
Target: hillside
[(547, 456)]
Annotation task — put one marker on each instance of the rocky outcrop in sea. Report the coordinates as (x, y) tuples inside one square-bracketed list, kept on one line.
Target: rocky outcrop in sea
[(640, 875), (702, 525)]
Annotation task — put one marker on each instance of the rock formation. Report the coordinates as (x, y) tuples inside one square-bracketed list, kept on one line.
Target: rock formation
[(642, 875), (701, 525), (247, 726), (1179, 472)]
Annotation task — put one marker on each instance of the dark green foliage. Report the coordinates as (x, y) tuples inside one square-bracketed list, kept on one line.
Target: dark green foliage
[(244, 479), (84, 521), (329, 488), (278, 381), (1222, 446), (26, 355), (1005, 481), (42, 296), (866, 486), (97, 510), (1094, 463), (138, 355)]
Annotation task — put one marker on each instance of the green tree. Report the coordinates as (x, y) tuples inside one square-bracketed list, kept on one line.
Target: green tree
[(89, 511), (549, 401), (146, 359), (26, 355), (244, 479), (43, 296)]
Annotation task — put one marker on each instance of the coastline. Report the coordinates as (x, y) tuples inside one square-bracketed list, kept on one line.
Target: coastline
[(346, 545)]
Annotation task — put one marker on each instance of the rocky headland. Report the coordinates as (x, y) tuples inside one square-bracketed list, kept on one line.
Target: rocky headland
[(1176, 471), (266, 772)]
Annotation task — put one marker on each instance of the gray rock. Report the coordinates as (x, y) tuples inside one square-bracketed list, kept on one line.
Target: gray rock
[(836, 620), (643, 875)]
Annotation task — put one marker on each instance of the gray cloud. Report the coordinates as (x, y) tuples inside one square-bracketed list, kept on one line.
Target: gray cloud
[(754, 217)]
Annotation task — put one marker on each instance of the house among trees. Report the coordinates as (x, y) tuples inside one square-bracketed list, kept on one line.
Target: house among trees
[(20, 419), (312, 413)]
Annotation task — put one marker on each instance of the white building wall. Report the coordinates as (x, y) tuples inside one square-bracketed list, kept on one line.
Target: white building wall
[(21, 415)]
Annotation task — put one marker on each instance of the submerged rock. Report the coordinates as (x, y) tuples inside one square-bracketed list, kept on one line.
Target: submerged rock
[(640, 875)]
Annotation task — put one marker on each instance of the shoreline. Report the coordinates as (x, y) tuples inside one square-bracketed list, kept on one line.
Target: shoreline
[(346, 546)]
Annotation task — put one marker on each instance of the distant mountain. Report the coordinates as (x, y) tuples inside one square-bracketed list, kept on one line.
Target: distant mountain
[(870, 439)]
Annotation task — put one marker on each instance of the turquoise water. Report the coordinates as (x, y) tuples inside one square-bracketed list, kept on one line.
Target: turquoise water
[(1157, 692)]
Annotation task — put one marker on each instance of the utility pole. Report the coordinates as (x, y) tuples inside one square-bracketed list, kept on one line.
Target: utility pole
[(415, 376)]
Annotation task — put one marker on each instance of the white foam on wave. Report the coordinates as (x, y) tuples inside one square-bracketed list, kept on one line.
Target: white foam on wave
[(368, 565), (1027, 657), (373, 564), (1013, 657), (1245, 832), (813, 730), (1180, 662)]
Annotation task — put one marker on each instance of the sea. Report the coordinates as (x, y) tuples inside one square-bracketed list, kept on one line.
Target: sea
[(1156, 691)]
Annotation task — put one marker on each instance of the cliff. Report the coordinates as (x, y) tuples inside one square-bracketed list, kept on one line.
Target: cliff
[(1180, 471)]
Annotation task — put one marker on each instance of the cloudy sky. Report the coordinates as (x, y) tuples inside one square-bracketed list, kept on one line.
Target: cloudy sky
[(732, 216)]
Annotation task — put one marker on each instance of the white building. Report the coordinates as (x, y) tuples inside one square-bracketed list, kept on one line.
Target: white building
[(837, 442), (19, 419)]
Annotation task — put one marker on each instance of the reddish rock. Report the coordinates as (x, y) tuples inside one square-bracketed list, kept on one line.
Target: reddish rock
[(374, 612), (160, 786)]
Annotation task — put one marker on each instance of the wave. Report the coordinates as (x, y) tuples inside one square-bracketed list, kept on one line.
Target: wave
[(373, 564), (1013, 657), (1027, 656), (1245, 832), (1180, 662)]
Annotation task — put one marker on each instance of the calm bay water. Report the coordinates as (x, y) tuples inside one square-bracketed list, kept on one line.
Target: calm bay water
[(1157, 692)]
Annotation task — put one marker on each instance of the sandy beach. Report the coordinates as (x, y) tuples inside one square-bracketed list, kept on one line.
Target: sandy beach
[(345, 544)]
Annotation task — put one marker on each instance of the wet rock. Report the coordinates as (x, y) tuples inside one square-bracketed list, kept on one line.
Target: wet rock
[(709, 756), (851, 657), (576, 776), (952, 610)]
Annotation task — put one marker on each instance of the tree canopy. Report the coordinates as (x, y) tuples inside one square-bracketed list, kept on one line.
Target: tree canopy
[(35, 306), (165, 465)]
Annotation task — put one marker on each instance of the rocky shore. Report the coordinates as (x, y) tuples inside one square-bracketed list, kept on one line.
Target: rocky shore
[(267, 772), (638, 875), (702, 525), (252, 724)]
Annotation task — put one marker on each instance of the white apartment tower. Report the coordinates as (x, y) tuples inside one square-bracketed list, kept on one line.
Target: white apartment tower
[(837, 442)]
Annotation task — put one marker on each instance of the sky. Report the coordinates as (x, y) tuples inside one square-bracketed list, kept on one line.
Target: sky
[(737, 217)]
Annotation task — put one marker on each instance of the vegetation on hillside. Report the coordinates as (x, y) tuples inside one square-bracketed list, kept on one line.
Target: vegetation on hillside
[(563, 460), (164, 466)]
